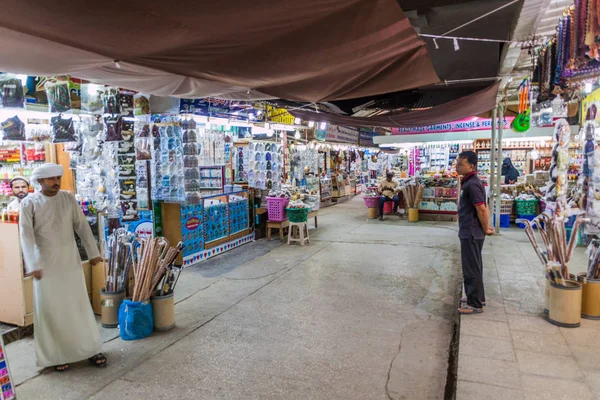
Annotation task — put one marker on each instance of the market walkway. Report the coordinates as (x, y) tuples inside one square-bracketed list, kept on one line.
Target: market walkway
[(510, 351), (365, 311)]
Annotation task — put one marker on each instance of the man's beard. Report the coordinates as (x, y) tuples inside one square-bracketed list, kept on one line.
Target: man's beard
[(22, 195)]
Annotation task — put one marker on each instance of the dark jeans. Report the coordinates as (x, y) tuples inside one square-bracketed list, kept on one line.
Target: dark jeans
[(472, 266), (382, 201)]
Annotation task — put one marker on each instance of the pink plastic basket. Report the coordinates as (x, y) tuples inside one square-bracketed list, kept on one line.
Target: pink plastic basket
[(371, 201), (276, 208)]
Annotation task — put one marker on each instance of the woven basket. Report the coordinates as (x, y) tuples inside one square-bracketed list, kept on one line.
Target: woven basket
[(297, 214), (371, 201)]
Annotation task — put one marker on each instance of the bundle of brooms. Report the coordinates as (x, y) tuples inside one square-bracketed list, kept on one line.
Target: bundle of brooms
[(412, 194), (153, 263), (558, 251)]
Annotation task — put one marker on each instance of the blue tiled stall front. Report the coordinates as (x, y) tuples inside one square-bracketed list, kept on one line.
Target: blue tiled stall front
[(216, 222), (239, 212), (192, 229)]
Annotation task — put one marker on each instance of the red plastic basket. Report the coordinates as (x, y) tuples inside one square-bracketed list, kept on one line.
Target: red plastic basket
[(276, 208), (371, 201)]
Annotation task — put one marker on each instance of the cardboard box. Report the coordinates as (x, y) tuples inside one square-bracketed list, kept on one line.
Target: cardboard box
[(98, 283)]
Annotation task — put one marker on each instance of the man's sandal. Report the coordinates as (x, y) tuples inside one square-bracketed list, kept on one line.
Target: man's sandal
[(62, 368), (464, 300), (99, 360), (467, 309)]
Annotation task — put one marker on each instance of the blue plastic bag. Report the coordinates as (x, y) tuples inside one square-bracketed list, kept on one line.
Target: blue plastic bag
[(135, 320)]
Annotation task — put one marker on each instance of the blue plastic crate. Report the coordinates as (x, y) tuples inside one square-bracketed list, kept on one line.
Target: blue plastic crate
[(504, 220), (527, 217)]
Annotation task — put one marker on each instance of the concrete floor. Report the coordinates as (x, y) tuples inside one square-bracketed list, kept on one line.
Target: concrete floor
[(366, 311)]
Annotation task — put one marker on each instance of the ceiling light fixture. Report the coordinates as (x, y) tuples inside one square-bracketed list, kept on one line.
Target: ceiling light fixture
[(297, 121), (323, 126), (311, 124)]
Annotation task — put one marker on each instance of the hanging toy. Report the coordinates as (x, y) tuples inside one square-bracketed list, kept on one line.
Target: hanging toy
[(522, 121)]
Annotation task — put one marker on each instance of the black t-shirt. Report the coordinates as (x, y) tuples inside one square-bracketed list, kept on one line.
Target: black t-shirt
[(472, 194)]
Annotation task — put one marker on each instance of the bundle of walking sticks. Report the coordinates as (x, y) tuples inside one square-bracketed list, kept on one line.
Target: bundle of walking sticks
[(557, 254), (153, 267), (412, 194), (119, 259)]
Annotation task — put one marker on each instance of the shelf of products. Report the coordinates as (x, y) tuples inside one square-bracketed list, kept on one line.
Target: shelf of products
[(326, 189), (440, 196)]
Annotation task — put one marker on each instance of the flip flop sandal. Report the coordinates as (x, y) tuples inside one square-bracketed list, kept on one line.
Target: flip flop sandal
[(62, 368), (464, 300), (467, 309), (99, 360)]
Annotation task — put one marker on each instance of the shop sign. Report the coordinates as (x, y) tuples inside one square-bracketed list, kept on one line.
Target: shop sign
[(366, 136), (467, 124), (209, 107), (334, 133), (589, 107), (280, 115)]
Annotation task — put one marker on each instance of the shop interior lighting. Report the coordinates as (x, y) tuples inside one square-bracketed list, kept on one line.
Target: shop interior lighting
[(323, 126), (456, 46), (267, 125), (117, 64), (588, 87), (270, 133), (311, 124), (297, 135), (23, 78), (297, 121)]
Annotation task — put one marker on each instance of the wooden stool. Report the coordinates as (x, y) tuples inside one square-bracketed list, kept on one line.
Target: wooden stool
[(298, 233)]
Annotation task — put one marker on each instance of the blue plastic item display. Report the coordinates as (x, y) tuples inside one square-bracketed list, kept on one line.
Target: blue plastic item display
[(135, 320)]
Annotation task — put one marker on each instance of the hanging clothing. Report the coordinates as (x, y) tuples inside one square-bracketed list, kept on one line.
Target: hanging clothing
[(509, 171), (65, 326)]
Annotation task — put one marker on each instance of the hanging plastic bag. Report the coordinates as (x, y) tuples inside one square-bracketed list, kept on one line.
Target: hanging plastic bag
[(63, 130), (135, 320), (113, 128), (11, 92), (126, 103), (141, 104), (14, 129), (110, 98), (91, 98), (59, 96)]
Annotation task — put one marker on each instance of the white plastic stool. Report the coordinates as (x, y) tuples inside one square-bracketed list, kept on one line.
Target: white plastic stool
[(298, 233)]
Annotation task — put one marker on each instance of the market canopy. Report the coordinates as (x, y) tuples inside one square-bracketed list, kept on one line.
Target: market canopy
[(467, 106), (310, 50)]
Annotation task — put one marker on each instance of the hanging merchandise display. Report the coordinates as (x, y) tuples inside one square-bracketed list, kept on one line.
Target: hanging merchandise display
[(11, 92), (571, 58), (265, 165), (521, 123), (168, 159), (58, 94)]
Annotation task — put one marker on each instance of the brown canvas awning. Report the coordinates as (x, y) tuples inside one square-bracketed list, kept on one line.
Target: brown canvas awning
[(467, 106), (309, 50)]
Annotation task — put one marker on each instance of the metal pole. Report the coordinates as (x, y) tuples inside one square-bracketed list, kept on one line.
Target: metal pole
[(492, 165), (498, 182)]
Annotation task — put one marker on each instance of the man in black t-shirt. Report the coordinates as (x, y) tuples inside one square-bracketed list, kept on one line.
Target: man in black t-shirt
[(473, 226)]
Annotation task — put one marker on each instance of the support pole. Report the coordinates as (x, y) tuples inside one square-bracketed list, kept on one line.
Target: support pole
[(498, 182), (492, 167)]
